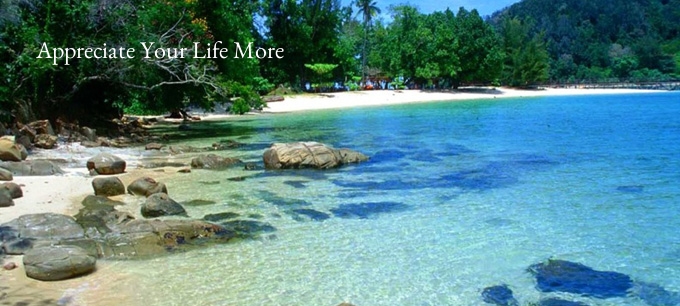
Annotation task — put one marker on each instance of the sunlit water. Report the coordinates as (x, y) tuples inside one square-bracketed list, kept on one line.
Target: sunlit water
[(457, 196)]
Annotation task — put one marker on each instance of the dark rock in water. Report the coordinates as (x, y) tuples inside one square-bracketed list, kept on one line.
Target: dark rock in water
[(57, 263), (93, 200), (366, 210), (315, 155), (146, 186), (296, 184), (14, 189), (565, 276), (6, 199), (108, 186), (559, 302), (312, 214), (250, 166), (159, 204), (248, 228), (221, 216), (163, 164), (237, 179), (34, 167), (255, 216), (213, 162), (631, 189), (388, 155), (198, 202), (105, 163), (277, 200), (656, 295), (499, 295)]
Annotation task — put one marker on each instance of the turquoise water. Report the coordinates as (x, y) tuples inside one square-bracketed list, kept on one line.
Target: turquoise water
[(457, 196)]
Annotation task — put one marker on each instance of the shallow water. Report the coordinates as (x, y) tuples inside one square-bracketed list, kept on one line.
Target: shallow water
[(457, 197)]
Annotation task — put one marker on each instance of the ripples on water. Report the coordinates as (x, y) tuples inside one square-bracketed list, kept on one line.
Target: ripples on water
[(456, 197)]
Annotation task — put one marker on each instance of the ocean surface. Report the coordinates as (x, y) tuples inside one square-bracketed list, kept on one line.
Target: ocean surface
[(457, 196)]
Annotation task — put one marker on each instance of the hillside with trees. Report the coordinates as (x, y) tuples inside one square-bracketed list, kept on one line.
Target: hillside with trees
[(327, 47), (613, 40)]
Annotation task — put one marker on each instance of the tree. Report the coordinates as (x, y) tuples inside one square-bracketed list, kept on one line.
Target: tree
[(368, 9), (526, 60), (479, 49)]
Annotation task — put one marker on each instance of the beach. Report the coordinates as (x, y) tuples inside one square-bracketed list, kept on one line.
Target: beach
[(63, 194)]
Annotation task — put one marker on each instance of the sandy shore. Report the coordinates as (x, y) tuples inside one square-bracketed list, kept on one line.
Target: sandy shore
[(390, 97)]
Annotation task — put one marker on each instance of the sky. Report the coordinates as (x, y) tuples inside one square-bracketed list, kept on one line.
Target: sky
[(484, 7)]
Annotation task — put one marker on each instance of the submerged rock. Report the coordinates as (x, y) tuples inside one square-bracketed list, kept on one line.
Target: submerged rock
[(220, 216), (499, 295), (559, 302), (105, 163), (565, 276), (108, 186), (93, 200), (58, 262), (159, 204), (308, 155)]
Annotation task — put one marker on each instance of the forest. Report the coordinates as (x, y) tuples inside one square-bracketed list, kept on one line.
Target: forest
[(326, 47)]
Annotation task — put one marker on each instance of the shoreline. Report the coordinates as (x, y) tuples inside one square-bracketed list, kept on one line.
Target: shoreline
[(63, 193)]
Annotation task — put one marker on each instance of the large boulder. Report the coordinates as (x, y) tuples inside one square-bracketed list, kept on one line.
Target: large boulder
[(58, 262), (45, 141), (160, 204), (212, 161), (11, 151), (14, 189), (90, 134), (6, 175), (21, 234), (308, 155), (146, 186), (39, 167), (6, 199), (108, 186), (105, 163)]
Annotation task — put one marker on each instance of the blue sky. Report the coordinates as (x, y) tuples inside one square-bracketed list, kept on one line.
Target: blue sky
[(484, 7)]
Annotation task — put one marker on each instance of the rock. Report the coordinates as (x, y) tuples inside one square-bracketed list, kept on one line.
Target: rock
[(146, 186), (184, 127), (499, 295), (58, 262), (220, 216), (250, 166), (159, 204), (212, 161), (564, 276), (36, 167), (90, 144), (184, 170), (30, 134), (90, 134), (5, 175), (268, 99), (23, 233), (25, 142), (14, 190), (105, 163), (93, 200), (6, 199), (10, 151), (9, 266), (108, 186), (559, 302), (42, 127), (308, 155), (153, 146), (45, 141)]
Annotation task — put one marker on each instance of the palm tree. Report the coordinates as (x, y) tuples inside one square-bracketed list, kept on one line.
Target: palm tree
[(368, 8)]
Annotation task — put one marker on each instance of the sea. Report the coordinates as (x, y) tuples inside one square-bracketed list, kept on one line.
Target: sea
[(456, 197)]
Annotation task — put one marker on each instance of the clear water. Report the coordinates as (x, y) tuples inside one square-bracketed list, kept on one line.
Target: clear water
[(457, 197)]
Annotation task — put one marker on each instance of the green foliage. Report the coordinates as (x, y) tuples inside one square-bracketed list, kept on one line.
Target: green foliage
[(526, 59)]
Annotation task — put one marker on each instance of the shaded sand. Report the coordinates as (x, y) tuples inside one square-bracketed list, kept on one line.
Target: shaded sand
[(389, 97)]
